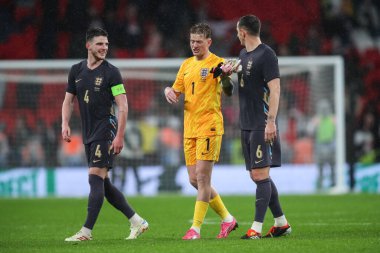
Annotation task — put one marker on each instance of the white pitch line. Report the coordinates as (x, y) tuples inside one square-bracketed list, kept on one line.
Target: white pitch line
[(214, 221)]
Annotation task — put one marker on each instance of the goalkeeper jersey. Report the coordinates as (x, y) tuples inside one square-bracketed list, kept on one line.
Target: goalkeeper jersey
[(202, 97)]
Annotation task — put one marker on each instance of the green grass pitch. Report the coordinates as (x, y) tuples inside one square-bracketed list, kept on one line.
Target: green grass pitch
[(321, 223)]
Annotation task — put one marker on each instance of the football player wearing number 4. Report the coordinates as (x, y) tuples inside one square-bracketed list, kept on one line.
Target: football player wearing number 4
[(259, 95), (98, 85), (201, 79)]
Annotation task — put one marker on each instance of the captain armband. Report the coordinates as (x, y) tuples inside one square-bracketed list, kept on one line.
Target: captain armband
[(117, 89)]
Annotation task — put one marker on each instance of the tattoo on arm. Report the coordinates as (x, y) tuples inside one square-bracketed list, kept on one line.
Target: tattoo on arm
[(227, 85), (271, 118)]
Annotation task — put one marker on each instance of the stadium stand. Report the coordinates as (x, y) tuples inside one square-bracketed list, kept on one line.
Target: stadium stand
[(320, 27)]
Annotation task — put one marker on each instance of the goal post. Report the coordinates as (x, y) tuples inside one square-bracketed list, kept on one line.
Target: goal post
[(35, 90), (336, 63)]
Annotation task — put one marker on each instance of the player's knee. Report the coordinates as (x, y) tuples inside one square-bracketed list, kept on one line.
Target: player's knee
[(193, 181), (203, 179), (256, 177), (259, 174)]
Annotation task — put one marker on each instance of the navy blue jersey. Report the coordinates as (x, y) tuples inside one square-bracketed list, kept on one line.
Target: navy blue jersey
[(95, 99), (259, 67)]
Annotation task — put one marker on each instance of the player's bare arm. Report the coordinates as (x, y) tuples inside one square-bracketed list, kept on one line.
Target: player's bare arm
[(67, 109), (171, 95), (274, 98), (122, 105)]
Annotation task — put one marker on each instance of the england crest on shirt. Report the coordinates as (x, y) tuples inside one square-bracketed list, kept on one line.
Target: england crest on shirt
[(249, 66), (98, 82), (204, 73)]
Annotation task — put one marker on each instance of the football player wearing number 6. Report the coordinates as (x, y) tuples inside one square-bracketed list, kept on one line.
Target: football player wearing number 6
[(201, 79), (98, 85), (259, 95)]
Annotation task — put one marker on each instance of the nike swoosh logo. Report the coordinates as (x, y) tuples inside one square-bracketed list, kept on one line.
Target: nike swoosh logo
[(259, 161), (204, 153), (185, 73), (78, 80), (95, 161)]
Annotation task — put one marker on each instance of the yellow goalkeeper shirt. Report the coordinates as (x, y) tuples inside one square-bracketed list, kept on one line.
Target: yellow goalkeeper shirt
[(202, 104)]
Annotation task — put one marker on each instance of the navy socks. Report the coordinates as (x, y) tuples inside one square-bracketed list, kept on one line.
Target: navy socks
[(117, 199), (263, 196), (95, 200), (274, 203)]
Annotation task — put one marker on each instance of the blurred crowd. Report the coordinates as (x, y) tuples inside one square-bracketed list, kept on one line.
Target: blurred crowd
[(55, 29)]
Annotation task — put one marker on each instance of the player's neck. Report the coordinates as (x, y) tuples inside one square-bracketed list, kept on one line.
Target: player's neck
[(93, 62), (252, 43), (202, 57)]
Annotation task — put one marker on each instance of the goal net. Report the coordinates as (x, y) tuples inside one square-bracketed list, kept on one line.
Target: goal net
[(311, 115)]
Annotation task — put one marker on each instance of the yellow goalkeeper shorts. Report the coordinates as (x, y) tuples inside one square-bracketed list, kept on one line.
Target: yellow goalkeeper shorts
[(202, 148)]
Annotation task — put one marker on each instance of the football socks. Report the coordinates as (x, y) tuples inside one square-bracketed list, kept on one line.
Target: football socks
[(199, 214), (274, 203), (218, 206), (95, 200), (263, 194), (117, 199)]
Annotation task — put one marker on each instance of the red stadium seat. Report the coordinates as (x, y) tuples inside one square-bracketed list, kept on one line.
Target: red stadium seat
[(7, 117), (10, 99), (50, 103), (63, 45)]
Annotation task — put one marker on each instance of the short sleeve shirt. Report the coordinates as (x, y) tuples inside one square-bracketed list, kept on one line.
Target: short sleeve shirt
[(202, 97), (95, 99), (259, 67)]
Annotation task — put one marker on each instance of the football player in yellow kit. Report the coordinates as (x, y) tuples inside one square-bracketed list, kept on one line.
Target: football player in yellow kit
[(201, 79)]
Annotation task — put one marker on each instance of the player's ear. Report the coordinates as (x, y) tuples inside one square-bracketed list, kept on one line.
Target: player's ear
[(88, 44), (209, 42), (243, 33)]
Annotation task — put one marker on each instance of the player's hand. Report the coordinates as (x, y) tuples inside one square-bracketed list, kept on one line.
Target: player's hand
[(117, 145), (171, 95), (227, 68), (270, 132), (230, 67), (66, 132)]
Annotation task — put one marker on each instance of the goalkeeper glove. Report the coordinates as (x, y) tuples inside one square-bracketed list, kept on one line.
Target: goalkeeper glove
[(226, 68), (217, 71)]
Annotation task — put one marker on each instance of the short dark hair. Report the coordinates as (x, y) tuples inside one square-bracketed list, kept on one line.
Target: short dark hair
[(201, 28), (251, 23), (94, 32)]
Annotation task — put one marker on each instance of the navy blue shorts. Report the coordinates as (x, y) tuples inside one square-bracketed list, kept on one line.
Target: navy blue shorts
[(257, 153), (99, 155)]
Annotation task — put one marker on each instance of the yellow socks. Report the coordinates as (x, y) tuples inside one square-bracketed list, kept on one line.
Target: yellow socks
[(201, 209), (199, 214), (218, 206)]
